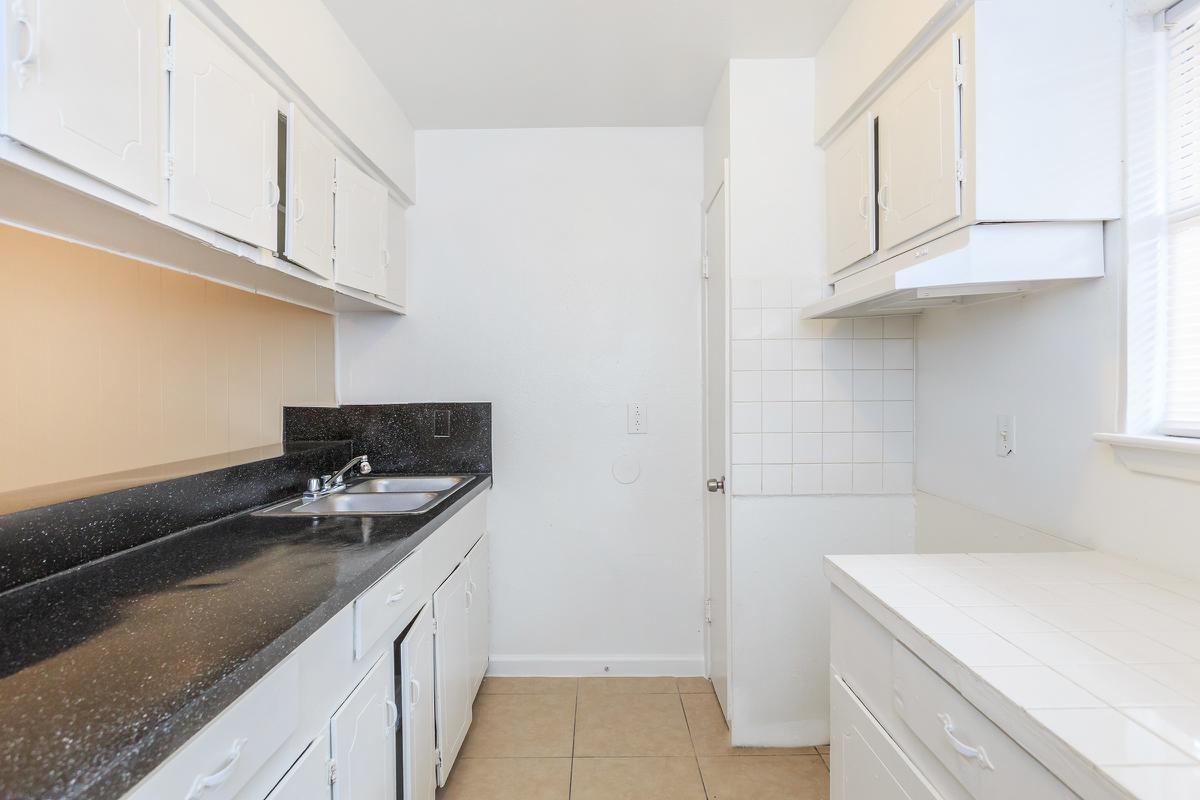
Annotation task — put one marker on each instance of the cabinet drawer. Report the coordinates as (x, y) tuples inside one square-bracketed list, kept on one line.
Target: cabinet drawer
[(989, 764), (219, 760), (865, 762), (387, 601)]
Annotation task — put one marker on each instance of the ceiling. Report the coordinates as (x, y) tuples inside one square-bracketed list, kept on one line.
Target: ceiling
[(566, 63)]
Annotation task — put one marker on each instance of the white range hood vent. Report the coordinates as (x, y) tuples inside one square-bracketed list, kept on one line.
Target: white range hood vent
[(973, 264)]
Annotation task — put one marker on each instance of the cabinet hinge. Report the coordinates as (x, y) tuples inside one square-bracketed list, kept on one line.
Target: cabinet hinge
[(169, 58), (708, 611), (960, 74), (333, 252), (704, 267), (960, 170), (433, 627), (169, 165), (332, 771), (437, 756), (335, 185)]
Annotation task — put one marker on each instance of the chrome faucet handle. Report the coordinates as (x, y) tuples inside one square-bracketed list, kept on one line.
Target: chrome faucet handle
[(364, 467), (313, 485)]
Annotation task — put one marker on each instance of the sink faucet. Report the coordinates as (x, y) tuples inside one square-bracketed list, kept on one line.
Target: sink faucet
[(327, 484)]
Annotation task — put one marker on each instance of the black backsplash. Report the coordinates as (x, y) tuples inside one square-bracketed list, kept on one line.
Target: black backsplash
[(42, 541), (403, 437)]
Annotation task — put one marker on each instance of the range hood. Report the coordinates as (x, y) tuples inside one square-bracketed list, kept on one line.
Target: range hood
[(980, 262)]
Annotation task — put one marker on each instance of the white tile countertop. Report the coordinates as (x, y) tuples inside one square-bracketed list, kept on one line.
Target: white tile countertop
[(1089, 661)]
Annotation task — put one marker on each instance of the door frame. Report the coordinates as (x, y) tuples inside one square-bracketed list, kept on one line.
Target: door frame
[(705, 205)]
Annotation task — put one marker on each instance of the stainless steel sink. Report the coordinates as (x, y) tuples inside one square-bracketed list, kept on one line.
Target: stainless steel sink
[(407, 494), (407, 483)]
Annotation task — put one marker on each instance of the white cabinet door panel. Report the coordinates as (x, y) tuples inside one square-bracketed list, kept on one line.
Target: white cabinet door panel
[(363, 737), (919, 145), (864, 761), (452, 654), (360, 230), (479, 600), (224, 137), (310, 159), (308, 779), (850, 194), (414, 694), (83, 82)]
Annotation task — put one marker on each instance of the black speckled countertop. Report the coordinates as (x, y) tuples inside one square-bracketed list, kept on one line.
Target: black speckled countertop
[(107, 668)]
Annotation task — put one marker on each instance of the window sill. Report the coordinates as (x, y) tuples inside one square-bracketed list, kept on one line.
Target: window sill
[(1169, 456)]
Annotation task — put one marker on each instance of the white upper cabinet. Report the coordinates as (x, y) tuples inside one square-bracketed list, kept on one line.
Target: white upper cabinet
[(452, 648), (850, 194), (82, 85), (309, 231), (360, 230), (224, 137), (363, 737), (919, 146), (415, 698)]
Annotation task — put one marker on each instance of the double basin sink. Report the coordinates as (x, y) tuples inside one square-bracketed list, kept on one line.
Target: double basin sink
[(408, 494)]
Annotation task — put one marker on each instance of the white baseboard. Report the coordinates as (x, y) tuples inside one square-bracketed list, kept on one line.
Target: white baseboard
[(571, 666), (801, 733)]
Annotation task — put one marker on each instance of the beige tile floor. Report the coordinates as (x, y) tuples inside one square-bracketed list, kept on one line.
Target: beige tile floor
[(620, 739)]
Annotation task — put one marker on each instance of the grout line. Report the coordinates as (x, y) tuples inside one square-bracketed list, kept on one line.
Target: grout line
[(695, 755), (574, 729)]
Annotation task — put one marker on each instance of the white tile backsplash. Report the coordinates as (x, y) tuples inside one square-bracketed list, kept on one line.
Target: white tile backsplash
[(819, 406)]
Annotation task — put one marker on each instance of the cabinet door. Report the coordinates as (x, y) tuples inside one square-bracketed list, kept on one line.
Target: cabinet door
[(397, 277), (478, 602), (414, 693), (308, 779), (850, 194), (360, 230), (363, 738), (452, 657), (309, 232), (919, 146), (83, 86), (864, 761), (224, 137)]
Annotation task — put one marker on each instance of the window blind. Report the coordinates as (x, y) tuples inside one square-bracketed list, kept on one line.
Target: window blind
[(1181, 415)]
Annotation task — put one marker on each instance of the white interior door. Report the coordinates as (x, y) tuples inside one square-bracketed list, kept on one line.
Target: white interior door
[(850, 194), (363, 737), (83, 83), (478, 610), (309, 231), (415, 696), (716, 304), (224, 137), (452, 658), (308, 779), (360, 230), (919, 184)]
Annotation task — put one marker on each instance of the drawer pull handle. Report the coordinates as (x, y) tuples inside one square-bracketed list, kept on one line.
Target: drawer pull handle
[(203, 782), (392, 720), (396, 596), (963, 749), (414, 692)]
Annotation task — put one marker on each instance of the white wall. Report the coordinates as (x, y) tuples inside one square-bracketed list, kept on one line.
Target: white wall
[(556, 274), (1053, 360), (779, 595)]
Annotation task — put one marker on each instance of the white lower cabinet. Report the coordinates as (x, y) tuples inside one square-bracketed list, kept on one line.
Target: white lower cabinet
[(452, 657), (415, 696), (478, 609), (308, 779), (865, 763), (363, 738)]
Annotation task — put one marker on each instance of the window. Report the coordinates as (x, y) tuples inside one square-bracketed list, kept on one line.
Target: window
[(1181, 301)]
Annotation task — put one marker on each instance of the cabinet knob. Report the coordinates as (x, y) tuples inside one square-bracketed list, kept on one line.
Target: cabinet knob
[(716, 484)]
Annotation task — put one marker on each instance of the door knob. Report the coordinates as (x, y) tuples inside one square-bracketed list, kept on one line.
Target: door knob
[(716, 484)]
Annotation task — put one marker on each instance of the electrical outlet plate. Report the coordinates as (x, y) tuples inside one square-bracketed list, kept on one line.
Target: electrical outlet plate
[(1006, 435), (636, 418)]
